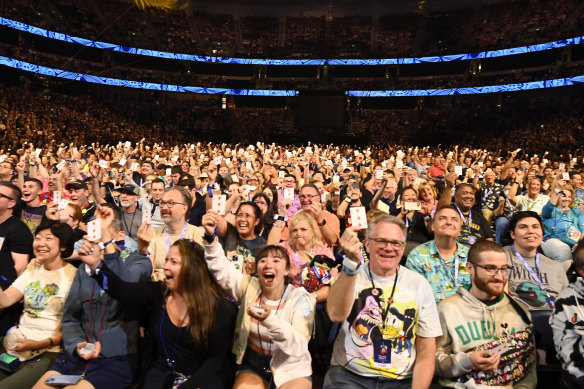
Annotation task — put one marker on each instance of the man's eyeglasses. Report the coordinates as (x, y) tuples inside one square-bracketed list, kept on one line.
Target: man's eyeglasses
[(492, 270), (6, 197), (169, 204), (308, 197), (383, 243)]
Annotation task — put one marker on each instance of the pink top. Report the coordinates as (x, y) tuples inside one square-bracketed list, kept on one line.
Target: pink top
[(298, 261)]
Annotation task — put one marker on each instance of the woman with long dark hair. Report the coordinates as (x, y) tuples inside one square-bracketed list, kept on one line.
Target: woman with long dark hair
[(190, 321)]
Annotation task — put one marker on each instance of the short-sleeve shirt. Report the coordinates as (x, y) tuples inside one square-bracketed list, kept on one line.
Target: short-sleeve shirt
[(524, 203), (413, 313), (426, 260), (474, 229), (490, 196), (17, 238), (45, 292), (247, 250), (32, 216)]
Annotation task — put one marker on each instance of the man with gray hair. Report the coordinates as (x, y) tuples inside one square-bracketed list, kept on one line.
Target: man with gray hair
[(389, 320)]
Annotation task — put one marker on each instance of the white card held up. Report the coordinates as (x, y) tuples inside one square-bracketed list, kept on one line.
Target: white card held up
[(234, 178), (146, 216), (248, 165), (281, 173), (175, 158), (399, 164), (134, 166), (103, 163), (562, 166), (61, 164), (62, 204), (458, 170), (217, 160), (566, 176), (168, 171), (289, 194), (379, 174), (123, 161), (219, 204), (156, 157), (94, 230), (358, 217), (56, 196), (336, 178)]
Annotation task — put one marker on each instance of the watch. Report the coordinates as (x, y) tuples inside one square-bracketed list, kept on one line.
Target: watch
[(279, 217), (323, 222), (350, 267)]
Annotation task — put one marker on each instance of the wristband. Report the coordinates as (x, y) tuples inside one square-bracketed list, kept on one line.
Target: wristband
[(211, 238), (280, 217), (348, 199), (51, 343), (350, 267)]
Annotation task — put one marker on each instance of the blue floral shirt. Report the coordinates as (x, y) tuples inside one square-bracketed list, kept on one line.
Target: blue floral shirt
[(440, 273)]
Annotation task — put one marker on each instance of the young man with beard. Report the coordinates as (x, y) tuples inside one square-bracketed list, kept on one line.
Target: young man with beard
[(488, 338), (535, 279)]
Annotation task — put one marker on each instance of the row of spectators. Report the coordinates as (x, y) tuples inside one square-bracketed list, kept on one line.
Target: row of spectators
[(154, 225), (494, 26)]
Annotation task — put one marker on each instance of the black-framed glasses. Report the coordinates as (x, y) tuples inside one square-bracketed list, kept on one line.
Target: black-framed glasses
[(6, 197), (260, 202), (383, 243), (492, 270), (169, 204)]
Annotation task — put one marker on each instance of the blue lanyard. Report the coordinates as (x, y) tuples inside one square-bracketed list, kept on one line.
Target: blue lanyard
[(170, 358), (319, 278), (182, 235), (462, 216), (298, 266), (456, 264), (258, 322), (530, 270)]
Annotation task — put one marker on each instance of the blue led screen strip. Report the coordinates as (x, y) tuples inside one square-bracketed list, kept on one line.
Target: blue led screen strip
[(313, 62), (29, 67)]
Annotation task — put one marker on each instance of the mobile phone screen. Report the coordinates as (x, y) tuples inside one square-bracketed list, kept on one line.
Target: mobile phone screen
[(7, 358)]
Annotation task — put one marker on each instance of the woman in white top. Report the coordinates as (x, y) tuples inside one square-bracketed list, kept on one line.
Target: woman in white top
[(44, 285), (275, 319)]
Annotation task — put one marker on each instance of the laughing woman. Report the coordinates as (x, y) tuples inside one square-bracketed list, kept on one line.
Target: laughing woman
[(44, 286), (190, 327), (274, 322)]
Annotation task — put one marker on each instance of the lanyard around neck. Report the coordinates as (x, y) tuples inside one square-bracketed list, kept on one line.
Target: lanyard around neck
[(258, 322), (182, 235), (170, 357), (389, 300)]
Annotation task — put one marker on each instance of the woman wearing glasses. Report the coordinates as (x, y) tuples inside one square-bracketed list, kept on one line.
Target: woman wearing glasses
[(241, 241), (275, 321)]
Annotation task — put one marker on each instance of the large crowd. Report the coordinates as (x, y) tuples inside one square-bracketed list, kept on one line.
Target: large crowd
[(439, 32), (209, 265)]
